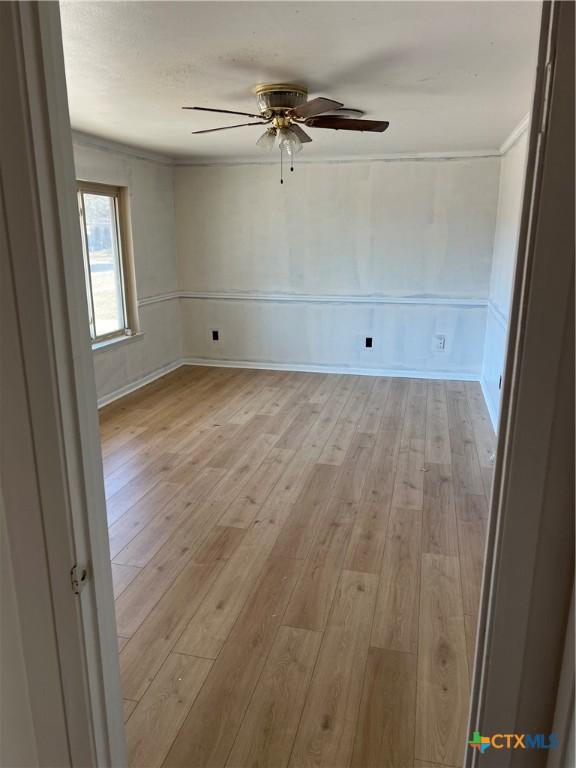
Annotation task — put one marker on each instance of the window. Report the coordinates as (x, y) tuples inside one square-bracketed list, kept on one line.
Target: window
[(105, 263)]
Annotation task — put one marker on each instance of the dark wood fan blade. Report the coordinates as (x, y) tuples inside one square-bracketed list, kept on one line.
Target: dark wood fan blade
[(302, 135), (345, 124), (316, 107), (224, 111), (227, 127)]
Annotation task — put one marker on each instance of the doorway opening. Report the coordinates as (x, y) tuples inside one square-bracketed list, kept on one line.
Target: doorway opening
[(292, 508)]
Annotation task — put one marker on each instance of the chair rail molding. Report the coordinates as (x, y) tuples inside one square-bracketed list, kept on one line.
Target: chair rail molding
[(303, 298)]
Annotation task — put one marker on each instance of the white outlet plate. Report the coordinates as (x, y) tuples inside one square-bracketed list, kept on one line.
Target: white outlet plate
[(439, 343)]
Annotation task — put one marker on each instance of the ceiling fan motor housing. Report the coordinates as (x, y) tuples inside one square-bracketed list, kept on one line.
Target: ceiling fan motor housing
[(278, 98)]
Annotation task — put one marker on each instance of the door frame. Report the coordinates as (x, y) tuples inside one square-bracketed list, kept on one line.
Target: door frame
[(529, 563), (52, 480), (73, 636)]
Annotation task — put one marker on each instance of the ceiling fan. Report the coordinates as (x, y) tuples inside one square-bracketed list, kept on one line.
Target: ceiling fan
[(284, 109)]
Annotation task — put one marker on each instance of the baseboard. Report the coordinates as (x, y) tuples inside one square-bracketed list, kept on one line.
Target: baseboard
[(271, 366), (138, 383), (309, 368), (490, 405)]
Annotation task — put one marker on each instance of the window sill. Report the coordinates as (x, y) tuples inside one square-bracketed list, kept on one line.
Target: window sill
[(107, 344)]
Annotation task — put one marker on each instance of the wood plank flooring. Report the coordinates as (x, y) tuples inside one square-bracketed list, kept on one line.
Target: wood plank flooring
[(296, 561)]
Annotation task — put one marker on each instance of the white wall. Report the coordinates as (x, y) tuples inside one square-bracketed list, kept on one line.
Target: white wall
[(412, 238), (298, 275), (150, 184), (503, 265)]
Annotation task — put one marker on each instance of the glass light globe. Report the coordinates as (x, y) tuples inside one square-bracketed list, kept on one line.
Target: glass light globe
[(267, 140), (289, 142)]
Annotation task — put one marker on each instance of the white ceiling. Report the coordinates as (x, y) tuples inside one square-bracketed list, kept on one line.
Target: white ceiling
[(449, 76)]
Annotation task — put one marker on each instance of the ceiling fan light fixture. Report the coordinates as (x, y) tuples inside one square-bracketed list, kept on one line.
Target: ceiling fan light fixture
[(284, 108), (267, 141), (289, 142)]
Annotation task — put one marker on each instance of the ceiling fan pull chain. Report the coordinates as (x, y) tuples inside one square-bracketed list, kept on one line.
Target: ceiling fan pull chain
[(281, 178)]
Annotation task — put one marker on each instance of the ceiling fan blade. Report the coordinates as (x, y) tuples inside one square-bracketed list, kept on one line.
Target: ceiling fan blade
[(316, 107), (225, 111), (346, 124), (302, 135), (227, 127)]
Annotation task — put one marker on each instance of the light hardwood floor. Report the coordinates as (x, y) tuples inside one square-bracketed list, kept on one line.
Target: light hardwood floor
[(297, 561)]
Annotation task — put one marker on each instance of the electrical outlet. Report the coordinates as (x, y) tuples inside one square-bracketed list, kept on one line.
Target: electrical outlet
[(439, 344), (368, 342), (215, 335)]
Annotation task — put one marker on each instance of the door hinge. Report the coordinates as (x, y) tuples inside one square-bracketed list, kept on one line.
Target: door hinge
[(78, 576)]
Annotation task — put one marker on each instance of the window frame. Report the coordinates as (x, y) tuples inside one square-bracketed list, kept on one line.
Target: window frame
[(129, 324)]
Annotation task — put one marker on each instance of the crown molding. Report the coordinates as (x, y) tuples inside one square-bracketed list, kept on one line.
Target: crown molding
[(81, 139), (476, 154)]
